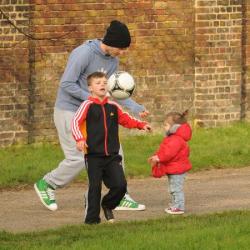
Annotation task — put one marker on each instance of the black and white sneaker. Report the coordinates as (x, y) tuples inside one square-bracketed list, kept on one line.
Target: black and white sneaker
[(108, 214)]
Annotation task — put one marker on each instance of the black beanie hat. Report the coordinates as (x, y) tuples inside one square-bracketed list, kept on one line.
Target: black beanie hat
[(117, 35)]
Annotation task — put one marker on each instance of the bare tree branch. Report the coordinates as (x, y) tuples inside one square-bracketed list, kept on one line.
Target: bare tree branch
[(29, 36)]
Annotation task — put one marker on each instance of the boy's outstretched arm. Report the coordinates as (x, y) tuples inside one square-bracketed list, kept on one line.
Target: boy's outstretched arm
[(128, 121)]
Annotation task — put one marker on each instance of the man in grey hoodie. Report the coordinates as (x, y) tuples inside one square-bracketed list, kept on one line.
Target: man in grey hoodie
[(93, 55)]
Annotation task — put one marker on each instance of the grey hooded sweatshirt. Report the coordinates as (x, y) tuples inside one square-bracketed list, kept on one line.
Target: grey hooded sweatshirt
[(84, 60)]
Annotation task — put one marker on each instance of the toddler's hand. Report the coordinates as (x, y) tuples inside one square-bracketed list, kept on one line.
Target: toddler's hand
[(153, 160), (81, 146)]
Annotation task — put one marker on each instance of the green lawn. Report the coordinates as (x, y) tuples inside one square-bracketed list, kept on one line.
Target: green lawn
[(219, 231), (226, 147)]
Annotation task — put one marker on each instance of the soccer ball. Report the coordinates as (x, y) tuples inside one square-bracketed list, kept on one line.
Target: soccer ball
[(121, 85)]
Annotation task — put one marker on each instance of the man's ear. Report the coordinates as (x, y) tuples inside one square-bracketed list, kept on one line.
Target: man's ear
[(90, 88)]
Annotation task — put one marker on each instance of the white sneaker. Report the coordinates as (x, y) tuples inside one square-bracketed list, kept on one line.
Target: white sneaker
[(46, 194), (128, 204), (173, 210)]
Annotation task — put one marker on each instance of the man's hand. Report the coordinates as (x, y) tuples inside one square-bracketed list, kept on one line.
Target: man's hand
[(81, 146), (153, 160), (144, 114)]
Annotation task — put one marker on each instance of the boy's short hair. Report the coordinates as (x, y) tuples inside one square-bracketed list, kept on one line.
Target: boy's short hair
[(93, 75)]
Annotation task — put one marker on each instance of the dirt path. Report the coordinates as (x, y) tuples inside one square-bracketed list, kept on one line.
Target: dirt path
[(206, 192)]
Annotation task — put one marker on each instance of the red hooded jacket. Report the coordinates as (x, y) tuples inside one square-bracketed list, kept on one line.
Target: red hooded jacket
[(174, 153)]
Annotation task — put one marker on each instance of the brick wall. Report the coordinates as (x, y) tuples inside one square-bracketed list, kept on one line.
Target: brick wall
[(14, 73), (246, 49), (185, 53), (218, 61), (160, 57)]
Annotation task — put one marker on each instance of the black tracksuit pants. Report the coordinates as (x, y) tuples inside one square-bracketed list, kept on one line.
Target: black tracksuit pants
[(109, 170)]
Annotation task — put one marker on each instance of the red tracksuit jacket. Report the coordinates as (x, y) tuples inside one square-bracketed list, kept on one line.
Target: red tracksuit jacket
[(97, 123), (174, 153)]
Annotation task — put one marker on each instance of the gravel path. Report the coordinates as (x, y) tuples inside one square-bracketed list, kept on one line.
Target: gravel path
[(206, 192)]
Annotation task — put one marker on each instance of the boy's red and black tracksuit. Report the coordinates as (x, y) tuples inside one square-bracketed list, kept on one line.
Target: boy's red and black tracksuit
[(97, 123)]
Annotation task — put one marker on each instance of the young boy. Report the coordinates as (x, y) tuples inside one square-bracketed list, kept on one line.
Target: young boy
[(95, 129)]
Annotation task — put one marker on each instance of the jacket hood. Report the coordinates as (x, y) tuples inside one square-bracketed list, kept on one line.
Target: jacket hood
[(95, 46), (184, 131)]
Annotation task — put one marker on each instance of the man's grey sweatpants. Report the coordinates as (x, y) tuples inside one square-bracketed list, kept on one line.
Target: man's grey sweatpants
[(73, 163)]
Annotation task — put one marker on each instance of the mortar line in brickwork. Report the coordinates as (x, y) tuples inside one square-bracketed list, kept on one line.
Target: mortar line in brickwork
[(31, 98), (194, 60), (243, 61)]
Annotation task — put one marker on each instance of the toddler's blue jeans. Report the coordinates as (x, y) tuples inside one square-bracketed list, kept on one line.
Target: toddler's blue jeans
[(176, 182)]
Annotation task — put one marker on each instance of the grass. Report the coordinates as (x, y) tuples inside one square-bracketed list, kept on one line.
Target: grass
[(225, 147), (25, 163), (228, 230)]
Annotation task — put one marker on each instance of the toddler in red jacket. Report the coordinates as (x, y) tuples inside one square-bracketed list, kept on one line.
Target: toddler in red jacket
[(172, 158)]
